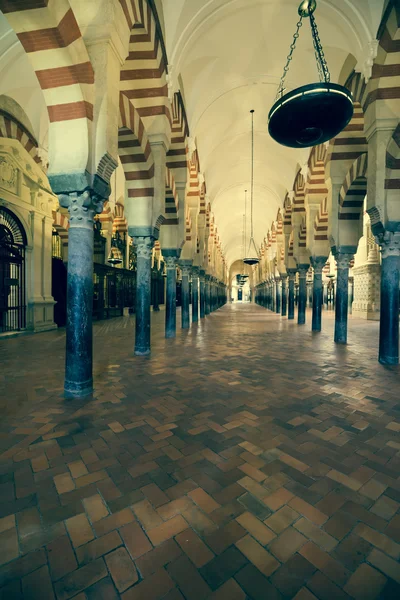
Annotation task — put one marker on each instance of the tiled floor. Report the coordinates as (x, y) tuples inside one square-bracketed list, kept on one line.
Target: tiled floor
[(248, 458)]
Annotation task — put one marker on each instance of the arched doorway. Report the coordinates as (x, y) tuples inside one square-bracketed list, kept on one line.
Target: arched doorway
[(12, 272)]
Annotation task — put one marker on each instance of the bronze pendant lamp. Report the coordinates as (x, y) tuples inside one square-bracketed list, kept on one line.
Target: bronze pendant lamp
[(252, 254), (314, 113)]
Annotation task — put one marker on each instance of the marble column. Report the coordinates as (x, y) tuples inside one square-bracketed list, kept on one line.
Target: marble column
[(202, 294), (389, 316), (156, 283), (195, 294), (318, 264), (186, 266), (171, 258), (144, 246), (79, 335), (301, 315), (284, 295), (277, 296), (292, 276), (207, 309), (342, 296)]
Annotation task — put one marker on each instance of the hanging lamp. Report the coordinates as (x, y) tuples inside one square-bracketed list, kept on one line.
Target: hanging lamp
[(314, 113), (252, 254)]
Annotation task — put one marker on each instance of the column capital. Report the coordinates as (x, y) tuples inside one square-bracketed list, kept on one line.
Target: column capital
[(303, 268), (318, 263), (82, 206), (196, 272), (171, 262), (292, 274), (343, 259), (144, 246), (186, 266), (389, 243)]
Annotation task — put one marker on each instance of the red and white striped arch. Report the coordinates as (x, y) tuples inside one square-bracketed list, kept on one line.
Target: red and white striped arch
[(50, 35)]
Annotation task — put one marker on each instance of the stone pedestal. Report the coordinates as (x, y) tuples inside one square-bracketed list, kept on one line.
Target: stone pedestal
[(79, 336), (367, 281), (342, 297), (389, 318), (144, 247)]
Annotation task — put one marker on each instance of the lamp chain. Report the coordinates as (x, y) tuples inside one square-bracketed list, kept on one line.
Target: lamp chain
[(323, 70), (281, 86)]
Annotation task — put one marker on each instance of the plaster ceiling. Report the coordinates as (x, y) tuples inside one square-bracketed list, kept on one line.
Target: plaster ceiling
[(228, 56)]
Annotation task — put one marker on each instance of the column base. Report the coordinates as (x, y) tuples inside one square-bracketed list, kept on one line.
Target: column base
[(170, 334), (389, 360), (78, 390), (142, 351)]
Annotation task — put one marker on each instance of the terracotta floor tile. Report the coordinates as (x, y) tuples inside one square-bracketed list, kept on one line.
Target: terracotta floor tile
[(257, 555), (122, 569), (95, 508), (256, 528), (194, 548), (97, 548), (79, 530), (167, 530), (287, 544), (365, 584), (282, 519)]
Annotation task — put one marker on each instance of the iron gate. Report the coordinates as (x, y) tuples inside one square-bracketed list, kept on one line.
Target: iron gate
[(12, 273)]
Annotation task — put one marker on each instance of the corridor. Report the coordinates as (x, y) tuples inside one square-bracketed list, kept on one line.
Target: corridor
[(247, 458)]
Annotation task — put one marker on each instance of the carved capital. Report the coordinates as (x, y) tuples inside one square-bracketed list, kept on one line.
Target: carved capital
[(82, 207), (343, 260), (144, 246), (186, 270), (303, 269), (389, 243), (170, 262), (318, 263), (195, 272)]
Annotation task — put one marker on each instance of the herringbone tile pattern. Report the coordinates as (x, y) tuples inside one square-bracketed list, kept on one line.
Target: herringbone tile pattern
[(248, 458)]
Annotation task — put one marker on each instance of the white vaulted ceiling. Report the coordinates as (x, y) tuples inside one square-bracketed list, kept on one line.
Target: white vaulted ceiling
[(227, 57)]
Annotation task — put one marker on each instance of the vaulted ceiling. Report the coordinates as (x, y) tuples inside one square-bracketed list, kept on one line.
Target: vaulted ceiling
[(227, 57)]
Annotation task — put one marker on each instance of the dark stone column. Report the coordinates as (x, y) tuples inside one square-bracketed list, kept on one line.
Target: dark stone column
[(284, 295), (79, 337), (389, 319), (202, 295), (212, 294), (342, 296), (171, 258), (195, 294), (186, 268), (301, 315), (318, 264), (277, 295), (156, 306), (351, 294), (144, 247), (292, 276), (207, 295)]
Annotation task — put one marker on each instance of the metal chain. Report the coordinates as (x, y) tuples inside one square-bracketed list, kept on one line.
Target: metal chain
[(319, 53), (289, 58), (252, 178)]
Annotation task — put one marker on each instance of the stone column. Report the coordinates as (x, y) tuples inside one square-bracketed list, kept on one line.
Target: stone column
[(292, 276), (284, 295), (342, 296), (389, 320), (144, 247), (277, 296), (79, 336), (171, 258), (301, 315), (212, 308), (186, 268), (156, 306), (202, 294), (318, 264), (195, 294), (207, 309)]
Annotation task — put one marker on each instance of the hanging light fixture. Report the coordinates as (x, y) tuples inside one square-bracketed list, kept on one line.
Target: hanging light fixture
[(115, 256), (314, 113), (252, 254)]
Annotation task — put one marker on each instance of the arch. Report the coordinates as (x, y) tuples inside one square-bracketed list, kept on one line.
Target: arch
[(12, 128), (177, 153), (144, 74), (354, 190), (171, 199), (321, 222), (9, 221), (119, 223), (61, 224), (392, 180), (298, 205), (51, 36)]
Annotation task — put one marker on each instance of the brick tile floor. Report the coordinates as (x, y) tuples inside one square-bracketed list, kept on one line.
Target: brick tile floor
[(246, 459)]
